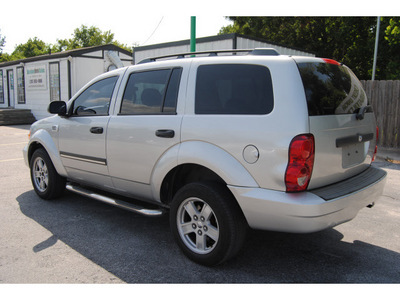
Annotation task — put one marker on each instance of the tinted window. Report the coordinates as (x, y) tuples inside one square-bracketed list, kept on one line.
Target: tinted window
[(151, 92), (233, 89), (172, 92), (331, 89), (95, 100)]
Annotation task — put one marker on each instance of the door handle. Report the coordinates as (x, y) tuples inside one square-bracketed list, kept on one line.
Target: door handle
[(96, 130), (165, 133)]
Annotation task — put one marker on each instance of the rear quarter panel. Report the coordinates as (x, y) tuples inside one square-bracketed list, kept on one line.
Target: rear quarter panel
[(270, 134)]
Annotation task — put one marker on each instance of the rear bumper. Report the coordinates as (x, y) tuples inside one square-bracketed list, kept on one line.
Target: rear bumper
[(308, 211)]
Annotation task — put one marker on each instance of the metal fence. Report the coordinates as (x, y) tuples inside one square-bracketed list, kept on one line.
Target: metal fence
[(384, 96)]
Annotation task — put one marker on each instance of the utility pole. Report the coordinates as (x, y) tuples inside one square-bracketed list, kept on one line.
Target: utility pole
[(192, 34), (376, 47)]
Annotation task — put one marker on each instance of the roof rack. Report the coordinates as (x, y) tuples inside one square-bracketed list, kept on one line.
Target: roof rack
[(256, 51)]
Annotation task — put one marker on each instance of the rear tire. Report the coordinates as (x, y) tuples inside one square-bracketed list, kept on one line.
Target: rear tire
[(45, 179), (207, 223)]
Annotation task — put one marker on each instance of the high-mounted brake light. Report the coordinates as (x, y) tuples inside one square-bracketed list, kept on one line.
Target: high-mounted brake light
[(331, 61), (301, 162)]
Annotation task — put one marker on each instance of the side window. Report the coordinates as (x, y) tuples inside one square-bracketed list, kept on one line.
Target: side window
[(233, 89), (95, 100), (151, 92)]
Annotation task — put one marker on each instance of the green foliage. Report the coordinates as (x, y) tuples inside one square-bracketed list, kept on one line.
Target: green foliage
[(82, 37), (349, 40), (86, 37), (2, 43), (392, 32), (33, 47)]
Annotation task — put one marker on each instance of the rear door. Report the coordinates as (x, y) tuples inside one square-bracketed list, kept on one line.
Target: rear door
[(146, 126), (341, 121)]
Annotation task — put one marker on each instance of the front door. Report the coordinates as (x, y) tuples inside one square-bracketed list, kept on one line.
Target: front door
[(10, 88), (82, 136)]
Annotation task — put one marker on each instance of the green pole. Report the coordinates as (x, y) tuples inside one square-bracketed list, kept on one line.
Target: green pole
[(192, 34)]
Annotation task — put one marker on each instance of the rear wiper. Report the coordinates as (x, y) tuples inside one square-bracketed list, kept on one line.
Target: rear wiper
[(362, 111)]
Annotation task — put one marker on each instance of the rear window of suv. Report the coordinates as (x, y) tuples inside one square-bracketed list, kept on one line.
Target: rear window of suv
[(331, 89), (233, 89)]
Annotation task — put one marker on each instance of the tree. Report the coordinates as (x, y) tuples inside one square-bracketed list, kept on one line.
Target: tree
[(347, 39), (392, 32), (2, 43), (86, 37), (82, 37), (33, 47), (392, 51)]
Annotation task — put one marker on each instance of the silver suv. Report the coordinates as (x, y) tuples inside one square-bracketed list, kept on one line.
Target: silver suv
[(224, 142)]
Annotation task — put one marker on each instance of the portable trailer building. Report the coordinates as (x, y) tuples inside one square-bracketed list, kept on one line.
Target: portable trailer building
[(32, 83)]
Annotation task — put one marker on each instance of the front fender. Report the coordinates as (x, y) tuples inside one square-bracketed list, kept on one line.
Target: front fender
[(44, 138), (204, 154)]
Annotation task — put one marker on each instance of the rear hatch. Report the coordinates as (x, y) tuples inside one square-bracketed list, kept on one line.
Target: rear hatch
[(341, 120)]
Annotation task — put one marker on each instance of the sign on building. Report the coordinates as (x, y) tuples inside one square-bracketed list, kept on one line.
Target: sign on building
[(36, 77)]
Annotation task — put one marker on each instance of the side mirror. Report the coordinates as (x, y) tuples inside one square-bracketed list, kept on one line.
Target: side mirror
[(58, 107)]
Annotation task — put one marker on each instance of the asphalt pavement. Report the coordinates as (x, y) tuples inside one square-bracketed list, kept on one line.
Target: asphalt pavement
[(78, 240)]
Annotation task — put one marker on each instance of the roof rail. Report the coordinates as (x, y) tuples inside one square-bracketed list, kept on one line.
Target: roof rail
[(256, 51)]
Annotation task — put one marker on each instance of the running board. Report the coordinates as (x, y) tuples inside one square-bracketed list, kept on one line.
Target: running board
[(115, 202)]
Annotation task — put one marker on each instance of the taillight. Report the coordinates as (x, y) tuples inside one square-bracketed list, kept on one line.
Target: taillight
[(301, 162), (376, 145)]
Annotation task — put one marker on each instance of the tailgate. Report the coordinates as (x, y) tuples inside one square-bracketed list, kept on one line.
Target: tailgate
[(344, 147), (340, 119)]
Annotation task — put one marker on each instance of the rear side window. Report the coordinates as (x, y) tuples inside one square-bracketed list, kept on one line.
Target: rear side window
[(331, 89), (233, 89), (151, 92)]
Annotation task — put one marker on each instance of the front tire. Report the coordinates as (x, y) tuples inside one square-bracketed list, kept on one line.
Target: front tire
[(207, 223), (45, 179)]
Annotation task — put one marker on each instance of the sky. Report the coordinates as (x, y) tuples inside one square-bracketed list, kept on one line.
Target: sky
[(147, 22), (131, 23)]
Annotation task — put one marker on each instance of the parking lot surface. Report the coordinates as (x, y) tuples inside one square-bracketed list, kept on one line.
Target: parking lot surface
[(78, 240)]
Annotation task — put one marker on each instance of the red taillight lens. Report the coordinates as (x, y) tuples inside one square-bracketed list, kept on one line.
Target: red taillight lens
[(331, 61), (376, 145), (301, 162)]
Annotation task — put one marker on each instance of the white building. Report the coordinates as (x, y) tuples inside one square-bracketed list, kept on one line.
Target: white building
[(32, 83), (218, 42)]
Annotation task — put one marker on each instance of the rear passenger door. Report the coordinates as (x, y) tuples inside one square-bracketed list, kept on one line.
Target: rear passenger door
[(146, 126)]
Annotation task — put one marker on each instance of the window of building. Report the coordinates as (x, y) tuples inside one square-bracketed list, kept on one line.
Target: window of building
[(54, 78), (20, 85), (95, 100), (1, 88), (233, 89), (151, 92)]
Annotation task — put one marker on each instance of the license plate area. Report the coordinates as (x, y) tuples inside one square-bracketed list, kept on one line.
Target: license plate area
[(354, 154)]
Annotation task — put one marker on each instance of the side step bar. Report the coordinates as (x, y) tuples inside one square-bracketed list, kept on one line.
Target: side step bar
[(115, 202)]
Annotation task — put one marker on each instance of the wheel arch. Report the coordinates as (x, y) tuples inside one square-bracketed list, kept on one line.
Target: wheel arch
[(42, 139), (196, 161), (183, 175)]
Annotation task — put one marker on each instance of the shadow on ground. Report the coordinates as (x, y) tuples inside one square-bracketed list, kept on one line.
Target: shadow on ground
[(140, 249)]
